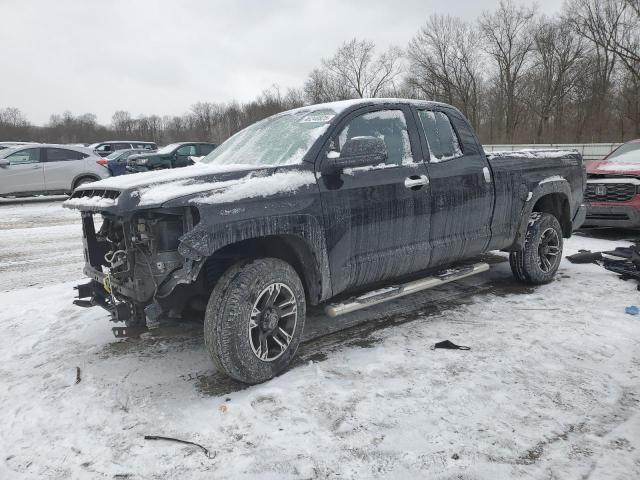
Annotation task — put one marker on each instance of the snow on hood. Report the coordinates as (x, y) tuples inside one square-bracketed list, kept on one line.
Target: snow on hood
[(255, 184), (259, 186), (611, 166), (92, 202), (137, 180)]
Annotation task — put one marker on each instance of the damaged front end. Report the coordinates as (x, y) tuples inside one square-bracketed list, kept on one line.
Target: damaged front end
[(134, 264)]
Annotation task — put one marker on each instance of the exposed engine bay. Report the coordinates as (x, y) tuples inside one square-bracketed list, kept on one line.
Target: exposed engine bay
[(135, 265)]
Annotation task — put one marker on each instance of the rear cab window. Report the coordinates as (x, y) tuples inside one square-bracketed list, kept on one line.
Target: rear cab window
[(441, 138)]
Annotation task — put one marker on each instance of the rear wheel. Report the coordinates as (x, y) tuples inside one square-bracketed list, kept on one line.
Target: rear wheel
[(254, 319), (539, 259)]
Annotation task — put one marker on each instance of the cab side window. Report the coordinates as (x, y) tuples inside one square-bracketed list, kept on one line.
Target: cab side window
[(389, 125), (30, 155), (441, 137)]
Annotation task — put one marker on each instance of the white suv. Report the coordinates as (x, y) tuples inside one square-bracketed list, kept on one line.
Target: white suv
[(48, 169)]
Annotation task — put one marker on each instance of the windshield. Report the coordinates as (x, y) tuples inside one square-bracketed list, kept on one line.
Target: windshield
[(168, 148), (282, 139), (628, 153)]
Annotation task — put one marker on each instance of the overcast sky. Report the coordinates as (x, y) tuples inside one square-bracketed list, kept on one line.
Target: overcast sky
[(161, 56)]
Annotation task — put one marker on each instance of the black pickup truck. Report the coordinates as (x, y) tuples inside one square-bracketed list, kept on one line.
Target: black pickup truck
[(340, 202)]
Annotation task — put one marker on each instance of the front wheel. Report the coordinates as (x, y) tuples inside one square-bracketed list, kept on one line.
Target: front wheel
[(254, 319), (539, 259)]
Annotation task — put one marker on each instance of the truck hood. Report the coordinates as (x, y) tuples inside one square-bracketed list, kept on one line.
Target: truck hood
[(198, 183), (611, 167)]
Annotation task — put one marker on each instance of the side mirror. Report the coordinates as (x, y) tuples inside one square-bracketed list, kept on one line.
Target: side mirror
[(4, 163), (357, 152)]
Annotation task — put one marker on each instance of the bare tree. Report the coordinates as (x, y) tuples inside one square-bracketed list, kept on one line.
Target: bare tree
[(509, 38), (355, 65), (205, 115), (322, 86), (122, 123), (445, 63), (14, 124), (554, 73), (613, 25)]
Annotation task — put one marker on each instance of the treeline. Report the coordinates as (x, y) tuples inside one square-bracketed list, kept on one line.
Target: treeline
[(518, 75)]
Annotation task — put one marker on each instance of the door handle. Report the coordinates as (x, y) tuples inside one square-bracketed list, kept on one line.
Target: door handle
[(35, 167), (415, 182), (487, 174)]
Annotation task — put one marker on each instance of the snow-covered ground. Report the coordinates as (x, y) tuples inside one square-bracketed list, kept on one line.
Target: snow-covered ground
[(40, 243), (549, 389)]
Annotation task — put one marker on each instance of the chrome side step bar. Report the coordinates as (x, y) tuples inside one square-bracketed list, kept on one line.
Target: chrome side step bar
[(396, 291)]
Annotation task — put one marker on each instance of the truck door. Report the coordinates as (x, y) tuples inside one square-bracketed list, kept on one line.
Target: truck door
[(24, 172), (461, 188), (376, 217)]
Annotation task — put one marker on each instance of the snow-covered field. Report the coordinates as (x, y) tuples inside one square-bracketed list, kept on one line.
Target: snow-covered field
[(550, 387)]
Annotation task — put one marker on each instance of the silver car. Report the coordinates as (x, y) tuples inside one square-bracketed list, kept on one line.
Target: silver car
[(48, 169)]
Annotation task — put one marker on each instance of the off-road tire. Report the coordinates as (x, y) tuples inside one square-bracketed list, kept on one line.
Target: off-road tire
[(227, 318), (527, 264)]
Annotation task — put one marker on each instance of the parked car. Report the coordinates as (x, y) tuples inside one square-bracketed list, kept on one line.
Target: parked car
[(117, 161), (613, 189), (174, 155), (47, 169), (314, 204), (107, 148)]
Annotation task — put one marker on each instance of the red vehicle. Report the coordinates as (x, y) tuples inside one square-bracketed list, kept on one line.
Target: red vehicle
[(612, 195)]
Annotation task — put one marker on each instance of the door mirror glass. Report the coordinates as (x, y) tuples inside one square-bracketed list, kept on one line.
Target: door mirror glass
[(357, 152)]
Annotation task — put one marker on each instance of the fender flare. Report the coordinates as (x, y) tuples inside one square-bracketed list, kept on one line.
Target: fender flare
[(205, 239), (542, 189)]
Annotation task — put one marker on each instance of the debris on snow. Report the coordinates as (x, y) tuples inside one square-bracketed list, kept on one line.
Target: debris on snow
[(186, 442), (449, 345)]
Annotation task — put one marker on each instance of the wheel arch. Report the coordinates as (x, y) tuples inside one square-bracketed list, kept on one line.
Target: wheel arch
[(551, 196), (298, 241)]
